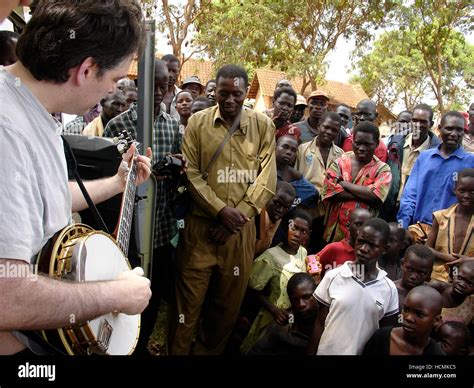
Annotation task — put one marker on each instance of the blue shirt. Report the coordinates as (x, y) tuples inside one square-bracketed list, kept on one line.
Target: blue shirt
[(430, 186)]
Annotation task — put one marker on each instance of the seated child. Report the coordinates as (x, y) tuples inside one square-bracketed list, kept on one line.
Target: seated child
[(292, 338), (454, 338), (416, 270), (421, 311), (458, 303), (271, 272)]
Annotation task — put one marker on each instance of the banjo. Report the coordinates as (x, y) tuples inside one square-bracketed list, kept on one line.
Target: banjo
[(79, 253)]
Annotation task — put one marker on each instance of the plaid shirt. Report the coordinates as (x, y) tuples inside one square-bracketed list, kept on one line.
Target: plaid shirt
[(127, 120), (75, 127), (166, 139)]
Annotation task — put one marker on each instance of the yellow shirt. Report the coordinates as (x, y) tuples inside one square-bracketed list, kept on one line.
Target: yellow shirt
[(310, 163), (94, 128), (244, 174), (410, 154)]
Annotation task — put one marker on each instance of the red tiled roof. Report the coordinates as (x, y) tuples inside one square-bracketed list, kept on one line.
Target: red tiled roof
[(202, 68), (133, 70), (266, 79), (339, 92)]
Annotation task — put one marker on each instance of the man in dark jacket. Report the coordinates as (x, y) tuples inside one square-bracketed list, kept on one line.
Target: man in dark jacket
[(402, 153)]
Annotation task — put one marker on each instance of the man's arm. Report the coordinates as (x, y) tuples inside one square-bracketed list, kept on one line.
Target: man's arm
[(280, 315), (102, 189), (318, 330), (38, 302), (431, 243), (332, 190), (343, 196), (361, 193), (99, 190), (376, 191)]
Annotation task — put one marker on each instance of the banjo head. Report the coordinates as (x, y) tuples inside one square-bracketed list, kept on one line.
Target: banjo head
[(117, 332), (83, 255)]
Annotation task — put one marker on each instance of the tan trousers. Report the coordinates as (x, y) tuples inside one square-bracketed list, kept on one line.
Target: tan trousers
[(218, 272)]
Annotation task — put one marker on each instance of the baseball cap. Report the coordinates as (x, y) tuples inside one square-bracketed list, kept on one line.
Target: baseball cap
[(192, 80), (300, 100), (318, 93)]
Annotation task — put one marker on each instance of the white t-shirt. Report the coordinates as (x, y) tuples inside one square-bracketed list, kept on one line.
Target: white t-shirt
[(35, 201), (355, 309)]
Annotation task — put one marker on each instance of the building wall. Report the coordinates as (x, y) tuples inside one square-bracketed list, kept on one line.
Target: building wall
[(260, 105)]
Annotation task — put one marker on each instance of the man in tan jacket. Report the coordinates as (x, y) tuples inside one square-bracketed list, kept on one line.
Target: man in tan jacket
[(217, 247)]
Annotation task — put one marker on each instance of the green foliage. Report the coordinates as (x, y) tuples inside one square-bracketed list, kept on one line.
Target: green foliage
[(294, 37), (393, 72), (426, 56), (437, 27)]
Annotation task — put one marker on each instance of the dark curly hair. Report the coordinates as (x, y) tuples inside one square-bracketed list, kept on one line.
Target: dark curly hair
[(62, 34)]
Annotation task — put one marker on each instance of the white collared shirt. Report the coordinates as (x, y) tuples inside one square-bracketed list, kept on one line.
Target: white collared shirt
[(355, 309)]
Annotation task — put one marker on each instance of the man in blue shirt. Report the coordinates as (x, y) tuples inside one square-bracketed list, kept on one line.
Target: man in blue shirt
[(430, 186)]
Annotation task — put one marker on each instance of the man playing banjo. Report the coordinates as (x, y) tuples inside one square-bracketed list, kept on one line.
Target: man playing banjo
[(71, 54)]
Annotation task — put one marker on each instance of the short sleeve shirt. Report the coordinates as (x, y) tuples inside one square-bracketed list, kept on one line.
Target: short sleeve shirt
[(355, 309), (35, 199)]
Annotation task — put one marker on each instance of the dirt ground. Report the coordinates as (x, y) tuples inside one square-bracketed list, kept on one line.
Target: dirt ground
[(156, 345)]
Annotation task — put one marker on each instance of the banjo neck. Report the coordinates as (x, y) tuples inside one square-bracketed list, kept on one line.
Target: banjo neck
[(124, 227)]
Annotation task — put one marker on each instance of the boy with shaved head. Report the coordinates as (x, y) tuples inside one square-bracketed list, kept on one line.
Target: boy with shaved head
[(454, 338), (292, 338), (421, 311), (458, 296), (417, 265)]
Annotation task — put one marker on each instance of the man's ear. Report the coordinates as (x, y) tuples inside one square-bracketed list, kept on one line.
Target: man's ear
[(87, 69)]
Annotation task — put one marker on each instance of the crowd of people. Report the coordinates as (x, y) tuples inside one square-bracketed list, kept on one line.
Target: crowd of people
[(303, 231)]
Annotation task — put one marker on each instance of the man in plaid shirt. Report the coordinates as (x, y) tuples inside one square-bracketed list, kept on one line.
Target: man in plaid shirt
[(166, 139)]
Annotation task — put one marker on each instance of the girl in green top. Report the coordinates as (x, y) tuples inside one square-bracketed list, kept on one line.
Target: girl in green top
[(271, 272)]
